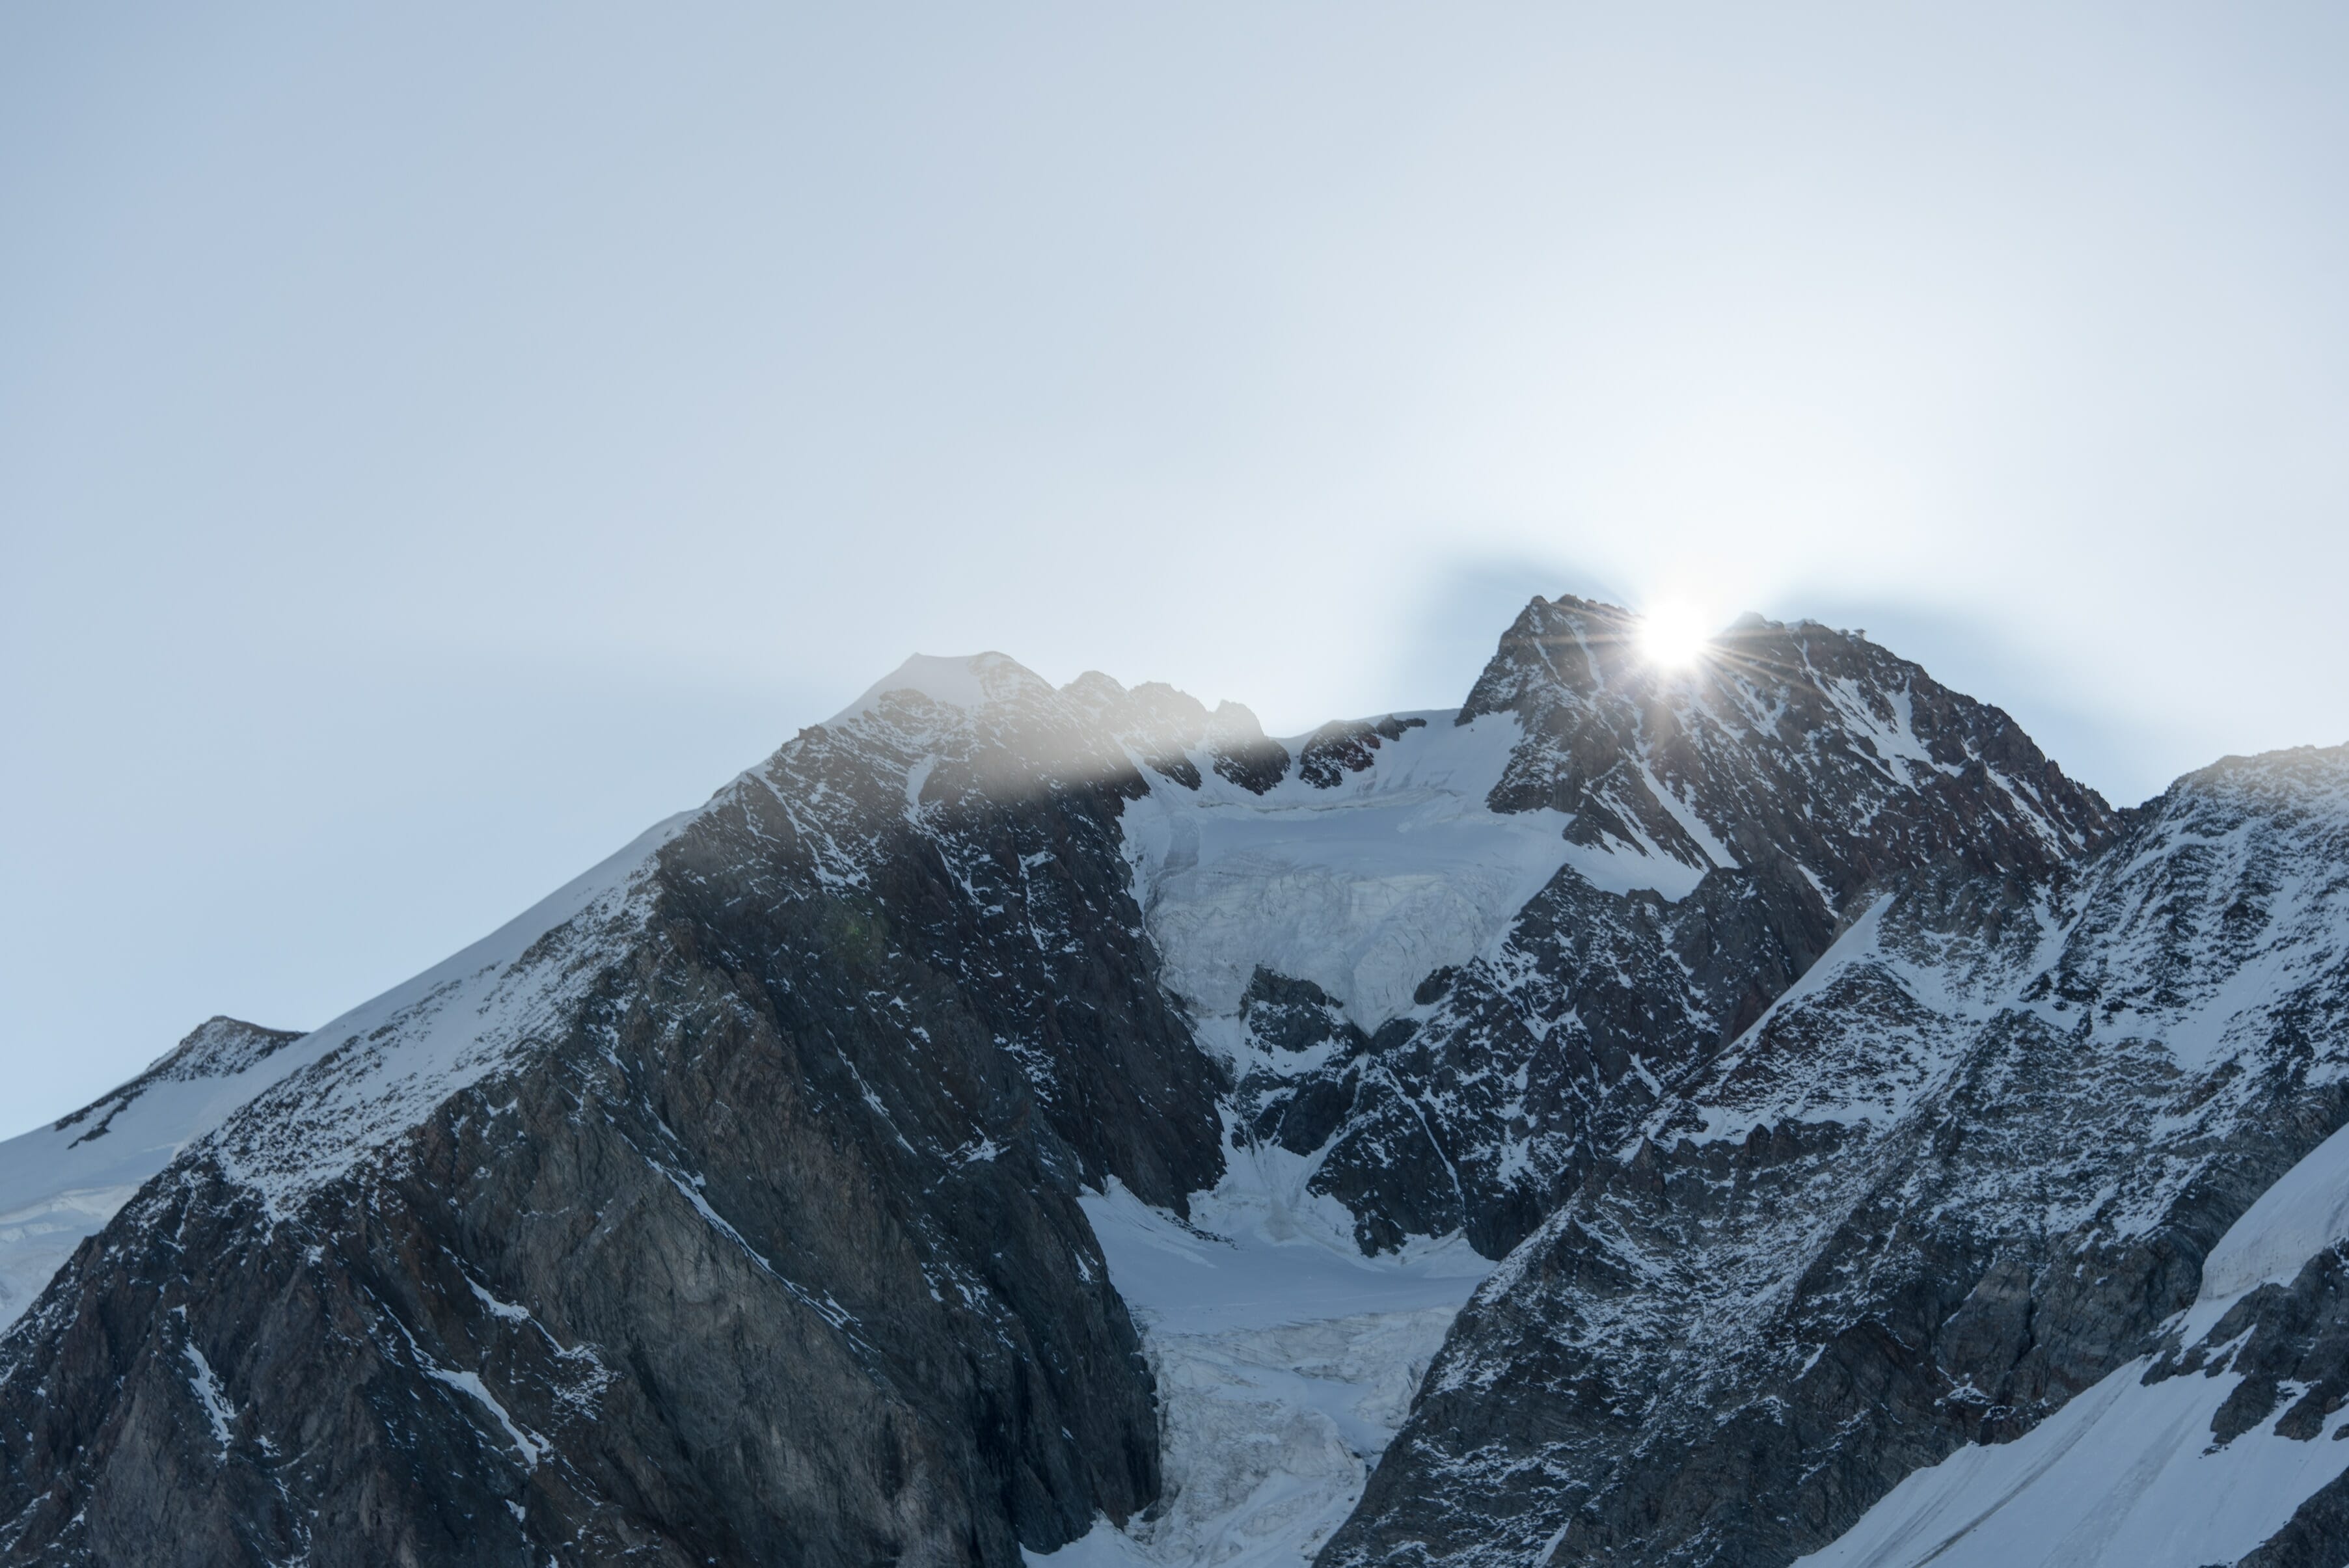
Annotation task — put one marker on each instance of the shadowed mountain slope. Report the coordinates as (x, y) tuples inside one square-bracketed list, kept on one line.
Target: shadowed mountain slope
[(729, 1217)]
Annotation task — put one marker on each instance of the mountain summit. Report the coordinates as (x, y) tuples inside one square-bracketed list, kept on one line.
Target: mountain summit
[(1650, 1114)]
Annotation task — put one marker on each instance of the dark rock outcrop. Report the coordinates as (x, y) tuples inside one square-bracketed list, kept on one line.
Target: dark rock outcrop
[(1972, 1170), (764, 1248), (1344, 745), (1771, 787)]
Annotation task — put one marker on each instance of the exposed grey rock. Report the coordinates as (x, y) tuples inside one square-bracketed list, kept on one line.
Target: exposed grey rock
[(1973, 1169), (1791, 771), (766, 1250)]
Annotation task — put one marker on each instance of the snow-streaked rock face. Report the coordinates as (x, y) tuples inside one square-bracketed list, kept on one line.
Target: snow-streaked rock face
[(730, 1214), (2222, 929), (62, 1183), (1718, 822), (1967, 1170)]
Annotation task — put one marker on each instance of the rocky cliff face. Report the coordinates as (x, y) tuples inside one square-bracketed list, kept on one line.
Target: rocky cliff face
[(736, 1222), (1873, 1128), (1970, 1168), (1719, 823)]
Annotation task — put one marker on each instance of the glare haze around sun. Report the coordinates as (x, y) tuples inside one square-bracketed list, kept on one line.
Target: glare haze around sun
[(1672, 635)]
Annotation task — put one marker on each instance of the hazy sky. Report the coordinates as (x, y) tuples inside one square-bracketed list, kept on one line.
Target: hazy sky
[(435, 442)]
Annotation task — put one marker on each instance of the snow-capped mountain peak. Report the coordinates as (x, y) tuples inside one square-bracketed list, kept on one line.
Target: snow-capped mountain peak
[(1794, 741), (1843, 1101), (969, 682)]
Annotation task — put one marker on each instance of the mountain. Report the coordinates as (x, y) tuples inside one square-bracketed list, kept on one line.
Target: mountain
[(723, 1208), (1971, 1168), (1715, 1114), (1708, 829), (61, 1183)]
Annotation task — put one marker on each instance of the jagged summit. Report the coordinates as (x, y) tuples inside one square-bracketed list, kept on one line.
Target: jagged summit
[(1795, 740), (968, 681)]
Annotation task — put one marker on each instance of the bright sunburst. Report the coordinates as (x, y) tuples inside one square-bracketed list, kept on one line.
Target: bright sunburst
[(1672, 634)]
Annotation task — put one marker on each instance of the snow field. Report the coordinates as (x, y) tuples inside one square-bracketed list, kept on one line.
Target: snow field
[(1286, 1360)]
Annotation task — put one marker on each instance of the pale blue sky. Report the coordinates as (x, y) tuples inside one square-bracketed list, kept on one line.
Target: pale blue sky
[(435, 442)]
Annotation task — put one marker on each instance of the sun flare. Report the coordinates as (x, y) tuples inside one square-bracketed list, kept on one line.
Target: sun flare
[(1672, 634)]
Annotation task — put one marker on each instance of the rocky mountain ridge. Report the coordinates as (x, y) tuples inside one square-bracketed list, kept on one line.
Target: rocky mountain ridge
[(724, 1211), (1840, 1088), (61, 1183), (1969, 1171), (1718, 825)]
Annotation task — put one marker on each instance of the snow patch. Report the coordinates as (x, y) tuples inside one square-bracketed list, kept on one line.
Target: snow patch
[(1363, 889), (501, 1309), (968, 682), (211, 1396), (532, 1447), (1641, 866)]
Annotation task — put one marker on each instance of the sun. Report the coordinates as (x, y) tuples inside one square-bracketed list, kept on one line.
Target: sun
[(1672, 634)]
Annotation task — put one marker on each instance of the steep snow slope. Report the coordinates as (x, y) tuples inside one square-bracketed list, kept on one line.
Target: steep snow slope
[(2125, 1476), (2141, 1470), (454, 1023)]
